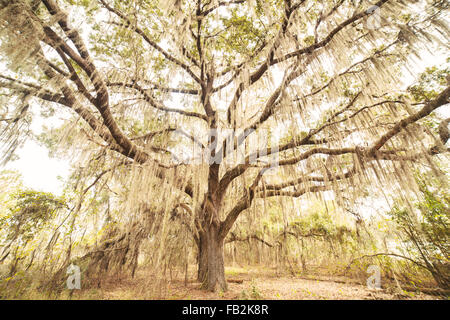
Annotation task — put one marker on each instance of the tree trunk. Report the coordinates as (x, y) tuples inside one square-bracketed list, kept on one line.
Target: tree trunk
[(202, 257), (211, 268)]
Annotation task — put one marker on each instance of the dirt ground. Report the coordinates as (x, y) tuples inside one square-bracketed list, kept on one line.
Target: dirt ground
[(244, 284)]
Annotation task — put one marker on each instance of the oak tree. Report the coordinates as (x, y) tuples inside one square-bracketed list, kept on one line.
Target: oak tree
[(322, 82)]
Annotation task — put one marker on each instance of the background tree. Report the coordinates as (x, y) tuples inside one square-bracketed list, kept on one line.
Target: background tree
[(321, 80), (427, 231), (30, 213)]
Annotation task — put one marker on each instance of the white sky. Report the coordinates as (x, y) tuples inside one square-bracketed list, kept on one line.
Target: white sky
[(38, 170)]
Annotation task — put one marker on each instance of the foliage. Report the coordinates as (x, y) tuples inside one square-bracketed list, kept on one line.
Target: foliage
[(430, 83), (426, 228), (137, 74), (30, 213)]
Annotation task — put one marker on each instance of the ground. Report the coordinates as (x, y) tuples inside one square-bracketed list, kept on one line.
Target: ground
[(247, 283)]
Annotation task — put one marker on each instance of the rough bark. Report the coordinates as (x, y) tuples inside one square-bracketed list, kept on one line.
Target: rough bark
[(211, 268), (202, 258)]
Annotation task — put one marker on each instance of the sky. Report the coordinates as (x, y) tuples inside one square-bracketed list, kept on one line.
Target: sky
[(38, 171)]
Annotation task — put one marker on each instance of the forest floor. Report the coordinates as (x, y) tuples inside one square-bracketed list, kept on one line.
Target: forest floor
[(248, 283)]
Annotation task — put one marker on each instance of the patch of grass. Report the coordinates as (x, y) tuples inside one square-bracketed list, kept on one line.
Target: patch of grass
[(252, 292), (234, 271)]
